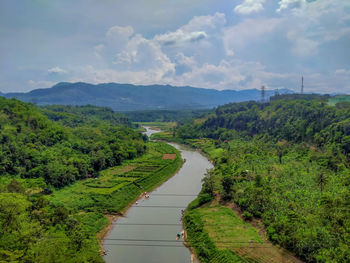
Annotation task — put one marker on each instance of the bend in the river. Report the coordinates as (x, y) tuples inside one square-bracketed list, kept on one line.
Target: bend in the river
[(148, 231)]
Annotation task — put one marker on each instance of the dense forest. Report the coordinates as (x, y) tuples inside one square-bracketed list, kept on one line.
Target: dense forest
[(179, 116), (87, 115), (32, 146), (285, 162), (38, 157)]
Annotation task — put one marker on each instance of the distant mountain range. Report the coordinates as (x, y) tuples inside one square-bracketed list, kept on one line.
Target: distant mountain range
[(128, 97)]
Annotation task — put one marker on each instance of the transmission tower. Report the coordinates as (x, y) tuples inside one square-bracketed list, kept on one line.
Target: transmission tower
[(262, 94), (302, 84)]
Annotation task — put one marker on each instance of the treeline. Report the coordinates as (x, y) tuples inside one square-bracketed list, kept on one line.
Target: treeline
[(32, 146), (73, 116), (180, 116), (285, 162), (302, 120)]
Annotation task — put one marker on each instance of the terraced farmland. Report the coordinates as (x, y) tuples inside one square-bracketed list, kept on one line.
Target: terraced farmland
[(229, 236), (115, 188)]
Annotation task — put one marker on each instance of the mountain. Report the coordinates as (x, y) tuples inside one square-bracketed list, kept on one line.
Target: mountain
[(128, 97)]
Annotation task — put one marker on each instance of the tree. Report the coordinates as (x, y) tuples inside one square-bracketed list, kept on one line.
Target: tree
[(12, 211), (208, 182), (281, 149), (15, 187), (227, 183), (321, 180)]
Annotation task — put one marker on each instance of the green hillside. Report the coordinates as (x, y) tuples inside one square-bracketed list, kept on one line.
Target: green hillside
[(35, 147), (286, 163), (87, 115), (54, 183)]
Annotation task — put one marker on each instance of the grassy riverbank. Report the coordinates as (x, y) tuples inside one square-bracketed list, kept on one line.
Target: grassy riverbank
[(114, 190), (218, 230), (227, 227)]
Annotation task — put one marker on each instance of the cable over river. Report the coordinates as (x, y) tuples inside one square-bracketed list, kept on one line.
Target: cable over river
[(148, 231)]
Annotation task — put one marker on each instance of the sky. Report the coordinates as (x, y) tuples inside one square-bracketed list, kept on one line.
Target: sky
[(219, 44)]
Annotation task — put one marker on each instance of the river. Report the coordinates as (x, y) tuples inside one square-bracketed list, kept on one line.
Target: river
[(148, 231)]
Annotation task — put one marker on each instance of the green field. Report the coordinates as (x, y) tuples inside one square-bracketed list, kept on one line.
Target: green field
[(233, 240), (165, 126), (115, 188), (337, 99), (87, 201)]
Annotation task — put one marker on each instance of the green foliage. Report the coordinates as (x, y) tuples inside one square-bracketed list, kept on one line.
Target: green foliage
[(87, 115), (116, 187), (227, 183), (15, 187), (180, 116), (304, 120), (286, 162), (34, 147), (51, 205), (62, 227), (204, 246)]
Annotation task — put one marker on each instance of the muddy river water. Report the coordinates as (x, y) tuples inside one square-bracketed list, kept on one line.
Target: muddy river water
[(148, 231)]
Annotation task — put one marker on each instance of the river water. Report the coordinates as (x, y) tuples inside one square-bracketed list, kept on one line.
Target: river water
[(148, 231)]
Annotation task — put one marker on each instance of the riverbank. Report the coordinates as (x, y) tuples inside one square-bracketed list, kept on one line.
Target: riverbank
[(147, 234), (115, 189), (213, 218), (112, 218), (248, 230)]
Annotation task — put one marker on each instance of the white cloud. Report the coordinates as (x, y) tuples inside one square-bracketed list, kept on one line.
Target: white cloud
[(227, 74), (302, 46), (56, 70), (117, 37), (207, 53), (313, 24), (95, 75), (249, 6), (129, 58), (179, 37), (290, 5), (205, 23), (198, 28), (181, 59), (247, 32), (143, 54), (117, 32)]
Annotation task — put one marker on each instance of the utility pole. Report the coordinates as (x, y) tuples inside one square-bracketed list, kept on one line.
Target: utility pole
[(302, 84)]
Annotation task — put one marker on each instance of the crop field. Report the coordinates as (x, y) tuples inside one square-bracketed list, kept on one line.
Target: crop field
[(164, 126), (337, 99), (116, 187), (231, 232), (226, 232)]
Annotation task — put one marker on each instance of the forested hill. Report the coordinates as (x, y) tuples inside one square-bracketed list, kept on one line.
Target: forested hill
[(128, 97), (32, 146), (73, 116), (300, 120), (286, 163)]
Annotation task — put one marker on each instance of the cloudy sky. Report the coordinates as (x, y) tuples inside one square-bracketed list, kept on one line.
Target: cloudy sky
[(221, 44)]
